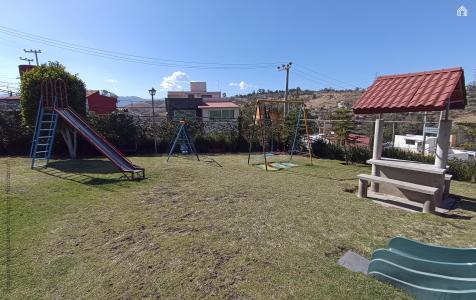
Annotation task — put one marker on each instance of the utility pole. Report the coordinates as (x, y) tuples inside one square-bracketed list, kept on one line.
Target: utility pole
[(29, 60), (286, 68), (152, 94), (36, 54)]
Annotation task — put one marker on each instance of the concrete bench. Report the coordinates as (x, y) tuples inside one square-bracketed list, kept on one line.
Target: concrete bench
[(364, 179)]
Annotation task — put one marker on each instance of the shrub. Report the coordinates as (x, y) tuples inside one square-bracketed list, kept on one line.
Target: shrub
[(407, 155), (463, 169), (354, 154), (15, 138)]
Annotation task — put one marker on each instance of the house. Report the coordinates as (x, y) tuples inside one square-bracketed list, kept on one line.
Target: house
[(100, 102), (199, 103), (9, 103), (462, 11), (414, 143)]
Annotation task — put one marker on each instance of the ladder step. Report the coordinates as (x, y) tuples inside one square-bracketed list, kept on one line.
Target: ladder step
[(42, 144), (46, 129), (45, 136), (48, 121), (41, 151)]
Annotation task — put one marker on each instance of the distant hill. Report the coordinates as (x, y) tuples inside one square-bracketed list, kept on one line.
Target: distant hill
[(123, 100), (321, 102), (140, 106)]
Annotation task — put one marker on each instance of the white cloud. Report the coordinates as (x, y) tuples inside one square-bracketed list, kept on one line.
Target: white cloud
[(112, 80), (242, 85), (175, 82)]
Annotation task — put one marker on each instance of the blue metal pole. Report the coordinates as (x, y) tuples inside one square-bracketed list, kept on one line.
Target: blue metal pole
[(174, 142)]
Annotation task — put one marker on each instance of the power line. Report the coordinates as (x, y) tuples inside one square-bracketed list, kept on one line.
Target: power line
[(324, 75), (129, 57), (306, 76)]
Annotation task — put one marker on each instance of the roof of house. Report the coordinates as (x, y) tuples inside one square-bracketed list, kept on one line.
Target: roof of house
[(102, 93), (422, 91), (358, 139), (216, 104), (90, 92)]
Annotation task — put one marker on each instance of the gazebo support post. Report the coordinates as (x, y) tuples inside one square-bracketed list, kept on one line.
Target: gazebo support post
[(442, 144), (443, 140), (377, 150)]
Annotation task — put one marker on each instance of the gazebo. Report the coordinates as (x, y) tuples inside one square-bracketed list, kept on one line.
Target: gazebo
[(408, 182)]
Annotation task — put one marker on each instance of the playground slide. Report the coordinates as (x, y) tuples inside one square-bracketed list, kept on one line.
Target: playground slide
[(463, 270), (99, 142), (426, 271), (423, 285), (432, 252)]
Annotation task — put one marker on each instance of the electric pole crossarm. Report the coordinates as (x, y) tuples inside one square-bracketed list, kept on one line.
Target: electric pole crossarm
[(36, 54)]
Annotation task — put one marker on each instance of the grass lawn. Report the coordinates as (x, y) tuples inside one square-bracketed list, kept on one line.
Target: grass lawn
[(195, 230)]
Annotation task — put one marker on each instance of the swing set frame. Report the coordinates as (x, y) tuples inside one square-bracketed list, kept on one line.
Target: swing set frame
[(259, 119)]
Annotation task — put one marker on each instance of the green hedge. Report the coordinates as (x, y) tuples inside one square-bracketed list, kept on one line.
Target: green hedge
[(463, 170), (460, 169)]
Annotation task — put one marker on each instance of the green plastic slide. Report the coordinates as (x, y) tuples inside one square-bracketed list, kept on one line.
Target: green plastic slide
[(425, 271), (430, 252), (464, 270)]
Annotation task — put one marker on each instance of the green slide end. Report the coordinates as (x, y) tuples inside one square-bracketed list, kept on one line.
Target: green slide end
[(432, 252), (463, 270), (426, 271)]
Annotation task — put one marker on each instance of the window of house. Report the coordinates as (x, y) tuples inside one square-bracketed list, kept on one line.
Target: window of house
[(215, 115), (206, 96), (220, 114), (228, 114), (189, 115), (410, 142)]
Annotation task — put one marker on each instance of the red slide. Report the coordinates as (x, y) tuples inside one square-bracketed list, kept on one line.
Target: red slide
[(100, 143)]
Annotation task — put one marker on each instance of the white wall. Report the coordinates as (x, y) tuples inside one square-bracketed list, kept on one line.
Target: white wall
[(401, 142)]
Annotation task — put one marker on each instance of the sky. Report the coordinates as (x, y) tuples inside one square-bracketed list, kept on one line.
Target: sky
[(127, 47)]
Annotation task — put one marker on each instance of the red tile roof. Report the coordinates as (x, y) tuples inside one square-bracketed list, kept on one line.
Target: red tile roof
[(423, 91), (358, 139), (214, 104)]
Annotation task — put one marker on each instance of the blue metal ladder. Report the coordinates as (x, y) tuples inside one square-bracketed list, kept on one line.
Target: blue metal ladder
[(183, 139), (43, 137)]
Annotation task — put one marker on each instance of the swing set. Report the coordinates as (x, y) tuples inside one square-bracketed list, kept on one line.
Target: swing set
[(266, 120)]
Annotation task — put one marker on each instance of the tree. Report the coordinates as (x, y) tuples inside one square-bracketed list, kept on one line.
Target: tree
[(30, 93), (342, 124)]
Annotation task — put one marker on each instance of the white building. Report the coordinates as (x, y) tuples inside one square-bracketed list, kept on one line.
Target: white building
[(414, 143), (461, 154), (198, 89)]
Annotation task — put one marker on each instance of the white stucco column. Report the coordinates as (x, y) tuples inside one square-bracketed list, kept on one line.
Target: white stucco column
[(377, 151), (442, 144)]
